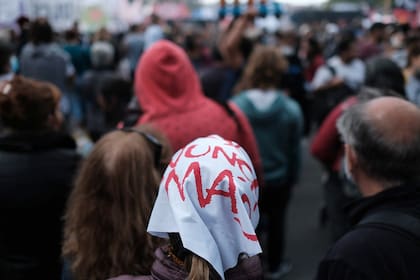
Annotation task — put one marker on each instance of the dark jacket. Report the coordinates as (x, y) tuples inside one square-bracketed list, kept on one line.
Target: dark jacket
[(36, 173), (369, 252), (165, 269)]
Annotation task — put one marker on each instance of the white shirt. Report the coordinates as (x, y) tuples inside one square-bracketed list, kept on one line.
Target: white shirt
[(152, 34), (352, 73), (262, 100)]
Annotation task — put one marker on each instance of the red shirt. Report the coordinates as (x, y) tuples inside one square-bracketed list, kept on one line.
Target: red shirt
[(327, 146)]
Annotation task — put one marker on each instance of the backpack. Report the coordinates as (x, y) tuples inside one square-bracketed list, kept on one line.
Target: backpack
[(399, 222), (327, 99)]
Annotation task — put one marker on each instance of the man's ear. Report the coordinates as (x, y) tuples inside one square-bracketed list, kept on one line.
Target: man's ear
[(351, 157)]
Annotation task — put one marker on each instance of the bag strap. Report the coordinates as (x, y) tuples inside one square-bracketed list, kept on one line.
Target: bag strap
[(393, 220), (332, 70)]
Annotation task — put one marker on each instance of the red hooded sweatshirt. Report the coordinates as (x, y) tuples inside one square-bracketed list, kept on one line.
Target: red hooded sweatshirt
[(170, 96), (327, 146)]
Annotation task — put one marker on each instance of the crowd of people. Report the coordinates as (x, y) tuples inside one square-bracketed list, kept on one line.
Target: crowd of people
[(171, 151)]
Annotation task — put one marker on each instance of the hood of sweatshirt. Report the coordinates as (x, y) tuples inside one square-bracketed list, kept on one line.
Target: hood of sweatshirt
[(166, 82)]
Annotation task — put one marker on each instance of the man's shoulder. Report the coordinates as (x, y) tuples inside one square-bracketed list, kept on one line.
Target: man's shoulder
[(359, 242), (367, 248), (351, 257)]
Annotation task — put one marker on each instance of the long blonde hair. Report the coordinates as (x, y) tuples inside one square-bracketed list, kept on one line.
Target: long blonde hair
[(108, 210), (198, 268)]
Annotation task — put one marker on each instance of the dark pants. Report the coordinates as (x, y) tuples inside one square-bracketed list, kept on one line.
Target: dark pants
[(273, 206), (22, 268)]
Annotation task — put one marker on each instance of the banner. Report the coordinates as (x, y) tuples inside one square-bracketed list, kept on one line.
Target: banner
[(133, 11), (61, 13)]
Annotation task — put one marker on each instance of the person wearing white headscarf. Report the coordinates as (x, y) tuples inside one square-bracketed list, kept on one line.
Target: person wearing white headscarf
[(208, 208)]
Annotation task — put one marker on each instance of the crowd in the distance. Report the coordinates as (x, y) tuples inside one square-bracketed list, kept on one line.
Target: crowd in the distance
[(171, 151)]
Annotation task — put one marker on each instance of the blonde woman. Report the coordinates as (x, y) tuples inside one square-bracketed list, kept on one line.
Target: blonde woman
[(207, 207)]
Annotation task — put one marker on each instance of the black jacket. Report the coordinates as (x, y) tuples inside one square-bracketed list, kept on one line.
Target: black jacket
[(369, 252), (36, 173)]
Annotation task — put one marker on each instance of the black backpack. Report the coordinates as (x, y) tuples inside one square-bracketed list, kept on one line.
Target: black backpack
[(399, 222), (327, 99)]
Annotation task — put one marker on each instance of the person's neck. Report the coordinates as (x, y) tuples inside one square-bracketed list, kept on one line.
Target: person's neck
[(345, 61), (369, 186)]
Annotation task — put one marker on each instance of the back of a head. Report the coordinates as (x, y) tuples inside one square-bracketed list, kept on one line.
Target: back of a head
[(314, 48), (165, 79), (71, 35), (116, 92), (41, 31), (385, 133), (113, 195), (377, 27), (383, 73), (102, 54), (264, 70), (27, 104), (22, 20), (154, 19), (209, 196), (345, 44)]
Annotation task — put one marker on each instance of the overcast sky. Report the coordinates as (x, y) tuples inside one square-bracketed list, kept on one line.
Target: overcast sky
[(294, 2)]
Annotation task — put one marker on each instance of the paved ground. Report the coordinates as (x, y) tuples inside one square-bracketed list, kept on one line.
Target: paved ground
[(307, 242)]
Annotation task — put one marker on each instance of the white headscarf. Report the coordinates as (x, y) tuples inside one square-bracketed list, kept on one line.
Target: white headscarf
[(209, 195)]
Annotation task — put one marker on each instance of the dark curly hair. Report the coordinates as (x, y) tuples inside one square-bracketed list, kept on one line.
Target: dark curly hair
[(26, 104), (41, 31)]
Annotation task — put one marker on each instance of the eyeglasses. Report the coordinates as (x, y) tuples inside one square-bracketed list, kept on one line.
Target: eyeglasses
[(157, 146)]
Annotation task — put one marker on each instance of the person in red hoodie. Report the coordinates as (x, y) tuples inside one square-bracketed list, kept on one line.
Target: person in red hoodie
[(171, 99)]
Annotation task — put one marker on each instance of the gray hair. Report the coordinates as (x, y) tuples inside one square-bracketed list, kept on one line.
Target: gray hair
[(367, 93), (379, 154), (102, 54)]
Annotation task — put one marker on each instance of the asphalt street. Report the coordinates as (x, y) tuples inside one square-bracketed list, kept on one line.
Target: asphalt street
[(307, 241)]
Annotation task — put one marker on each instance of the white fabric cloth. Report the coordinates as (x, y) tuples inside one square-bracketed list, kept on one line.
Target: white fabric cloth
[(262, 100), (352, 73), (209, 195)]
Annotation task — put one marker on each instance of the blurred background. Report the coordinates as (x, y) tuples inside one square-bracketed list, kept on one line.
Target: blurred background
[(88, 21), (117, 15)]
